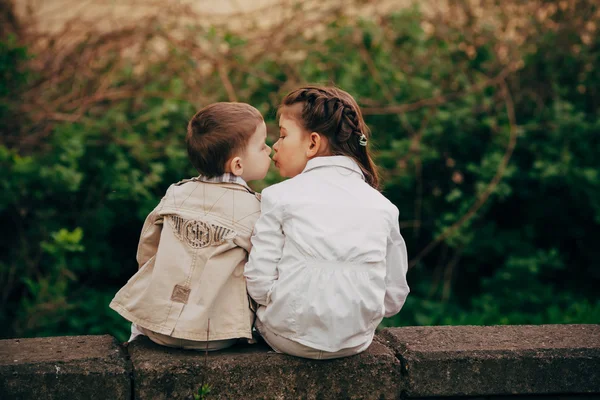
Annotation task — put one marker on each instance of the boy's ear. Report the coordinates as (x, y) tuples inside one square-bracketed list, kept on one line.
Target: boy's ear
[(236, 167), (317, 144)]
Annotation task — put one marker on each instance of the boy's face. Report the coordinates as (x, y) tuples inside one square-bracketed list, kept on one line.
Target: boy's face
[(290, 150), (256, 157)]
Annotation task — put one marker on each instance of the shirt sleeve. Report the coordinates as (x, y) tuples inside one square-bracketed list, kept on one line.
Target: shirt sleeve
[(396, 287), (267, 246), (148, 245)]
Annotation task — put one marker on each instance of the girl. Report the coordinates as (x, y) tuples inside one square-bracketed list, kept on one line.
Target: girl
[(328, 262)]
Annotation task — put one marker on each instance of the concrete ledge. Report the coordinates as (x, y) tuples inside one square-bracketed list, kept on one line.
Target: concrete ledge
[(71, 367), (254, 372), (499, 362)]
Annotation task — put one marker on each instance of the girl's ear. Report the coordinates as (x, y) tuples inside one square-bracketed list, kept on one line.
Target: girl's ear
[(235, 166), (317, 145)]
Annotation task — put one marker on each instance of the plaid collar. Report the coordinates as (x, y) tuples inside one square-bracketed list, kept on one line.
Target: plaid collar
[(227, 177)]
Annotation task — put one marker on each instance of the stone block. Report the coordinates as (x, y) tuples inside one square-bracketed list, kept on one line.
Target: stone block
[(498, 360), (255, 372), (67, 367)]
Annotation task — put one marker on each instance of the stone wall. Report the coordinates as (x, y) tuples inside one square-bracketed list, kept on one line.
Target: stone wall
[(512, 362)]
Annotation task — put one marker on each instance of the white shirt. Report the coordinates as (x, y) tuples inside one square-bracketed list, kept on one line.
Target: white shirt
[(328, 261)]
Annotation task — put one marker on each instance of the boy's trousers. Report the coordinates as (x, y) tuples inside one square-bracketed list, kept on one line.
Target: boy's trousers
[(170, 341)]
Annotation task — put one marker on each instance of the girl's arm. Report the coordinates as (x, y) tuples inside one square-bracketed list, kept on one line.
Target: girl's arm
[(267, 246), (396, 288)]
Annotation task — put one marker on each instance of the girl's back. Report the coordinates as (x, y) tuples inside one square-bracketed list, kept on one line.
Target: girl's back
[(332, 214), (331, 285)]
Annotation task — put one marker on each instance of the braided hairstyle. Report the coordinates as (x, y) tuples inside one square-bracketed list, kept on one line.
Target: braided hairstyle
[(334, 113)]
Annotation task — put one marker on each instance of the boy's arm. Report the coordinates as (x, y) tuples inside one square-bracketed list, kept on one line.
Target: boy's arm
[(150, 236), (396, 287), (267, 246)]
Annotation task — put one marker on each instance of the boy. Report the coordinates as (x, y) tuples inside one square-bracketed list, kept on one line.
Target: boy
[(190, 291)]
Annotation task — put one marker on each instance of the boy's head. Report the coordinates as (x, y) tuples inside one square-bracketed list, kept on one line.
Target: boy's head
[(228, 137)]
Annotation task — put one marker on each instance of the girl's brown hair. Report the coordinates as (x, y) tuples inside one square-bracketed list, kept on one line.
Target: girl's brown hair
[(334, 113)]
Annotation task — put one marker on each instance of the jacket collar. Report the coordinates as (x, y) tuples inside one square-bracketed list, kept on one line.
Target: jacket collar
[(334, 161), (230, 180)]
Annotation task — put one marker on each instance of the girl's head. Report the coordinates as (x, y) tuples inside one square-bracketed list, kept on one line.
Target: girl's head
[(321, 121)]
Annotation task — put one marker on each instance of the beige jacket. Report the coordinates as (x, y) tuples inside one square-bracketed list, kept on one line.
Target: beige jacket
[(191, 258)]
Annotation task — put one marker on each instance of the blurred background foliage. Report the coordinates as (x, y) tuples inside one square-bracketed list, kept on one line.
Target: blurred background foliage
[(485, 121)]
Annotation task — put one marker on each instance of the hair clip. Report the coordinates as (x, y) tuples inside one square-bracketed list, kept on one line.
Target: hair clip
[(363, 140)]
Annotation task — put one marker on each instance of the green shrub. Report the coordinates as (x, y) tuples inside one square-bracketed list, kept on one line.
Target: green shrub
[(527, 255)]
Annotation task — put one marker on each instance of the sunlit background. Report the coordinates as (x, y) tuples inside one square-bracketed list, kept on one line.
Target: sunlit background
[(484, 113)]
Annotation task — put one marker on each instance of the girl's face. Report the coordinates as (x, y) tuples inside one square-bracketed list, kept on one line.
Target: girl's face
[(291, 148)]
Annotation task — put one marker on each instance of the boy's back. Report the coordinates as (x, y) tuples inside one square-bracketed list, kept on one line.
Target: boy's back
[(191, 254)]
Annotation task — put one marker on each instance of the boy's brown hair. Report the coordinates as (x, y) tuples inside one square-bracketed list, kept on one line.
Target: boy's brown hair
[(217, 132)]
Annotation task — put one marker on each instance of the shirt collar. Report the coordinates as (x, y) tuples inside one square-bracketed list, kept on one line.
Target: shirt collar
[(334, 161), (227, 177)]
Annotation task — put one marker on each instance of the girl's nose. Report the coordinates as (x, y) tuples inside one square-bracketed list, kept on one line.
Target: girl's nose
[(276, 146)]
